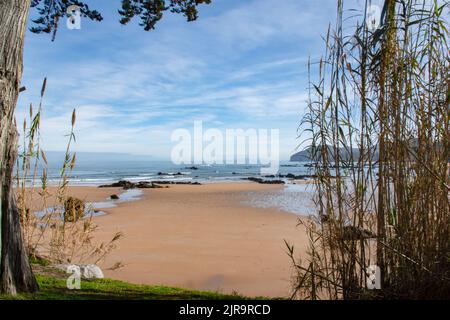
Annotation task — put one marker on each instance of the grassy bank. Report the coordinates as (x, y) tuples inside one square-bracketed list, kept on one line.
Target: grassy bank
[(53, 287)]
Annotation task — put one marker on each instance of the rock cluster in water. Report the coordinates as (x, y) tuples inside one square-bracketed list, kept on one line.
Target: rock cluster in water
[(195, 183), (169, 174), (144, 184), (293, 176), (131, 185), (271, 179), (262, 181)]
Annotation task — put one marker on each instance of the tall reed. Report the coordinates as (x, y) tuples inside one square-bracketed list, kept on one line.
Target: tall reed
[(48, 234), (379, 121)]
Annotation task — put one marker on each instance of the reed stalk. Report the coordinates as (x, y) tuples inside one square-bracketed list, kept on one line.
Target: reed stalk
[(378, 120)]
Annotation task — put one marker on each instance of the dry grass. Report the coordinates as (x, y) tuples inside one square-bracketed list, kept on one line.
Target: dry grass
[(50, 234), (379, 122)]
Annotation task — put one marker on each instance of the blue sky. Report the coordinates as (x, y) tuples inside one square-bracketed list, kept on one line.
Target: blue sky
[(243, 64)]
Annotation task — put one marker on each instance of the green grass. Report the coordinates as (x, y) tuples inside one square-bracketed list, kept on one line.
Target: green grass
[(54, 288)]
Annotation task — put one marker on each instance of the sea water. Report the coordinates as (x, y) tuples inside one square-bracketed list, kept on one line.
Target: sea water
[(97, 173), (294, 198)]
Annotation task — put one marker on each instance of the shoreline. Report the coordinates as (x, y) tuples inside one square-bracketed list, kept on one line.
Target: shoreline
[(204, 237), (188, 180)]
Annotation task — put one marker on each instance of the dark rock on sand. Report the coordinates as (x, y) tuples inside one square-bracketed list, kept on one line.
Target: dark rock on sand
[(114, 197), (130, 185), (180, 182), (144, 185), (120, 184), (73, 209), (262, 181)]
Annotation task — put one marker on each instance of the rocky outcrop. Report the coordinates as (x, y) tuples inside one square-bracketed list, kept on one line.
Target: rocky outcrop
[(169, 174), (263, 181), (131, 185), (195, 183), (297, 177), (145, 184), (120, 184)]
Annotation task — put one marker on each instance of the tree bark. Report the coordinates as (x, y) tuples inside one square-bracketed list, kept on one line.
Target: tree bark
[(15, 271)]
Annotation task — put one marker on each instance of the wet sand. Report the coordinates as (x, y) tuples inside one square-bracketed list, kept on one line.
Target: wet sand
[(200, 237)]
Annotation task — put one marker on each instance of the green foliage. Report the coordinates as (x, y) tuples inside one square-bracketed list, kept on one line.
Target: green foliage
[(39, 261), (50, 12), (149, 11)]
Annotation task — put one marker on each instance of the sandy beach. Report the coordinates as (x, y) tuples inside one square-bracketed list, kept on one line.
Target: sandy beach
[(201, 237)]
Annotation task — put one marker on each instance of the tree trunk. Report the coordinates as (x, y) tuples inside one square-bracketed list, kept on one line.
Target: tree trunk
[(15, 271)]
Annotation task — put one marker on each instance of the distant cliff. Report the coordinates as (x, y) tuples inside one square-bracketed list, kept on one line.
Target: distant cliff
[(302, 156), (305, 155)]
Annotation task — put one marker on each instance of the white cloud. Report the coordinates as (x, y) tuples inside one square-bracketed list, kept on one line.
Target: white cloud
[(244, 64), (255, 23)]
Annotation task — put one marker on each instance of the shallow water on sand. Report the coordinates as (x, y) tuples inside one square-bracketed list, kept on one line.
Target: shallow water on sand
[(293, 198), (126, 196), (93, 208)]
